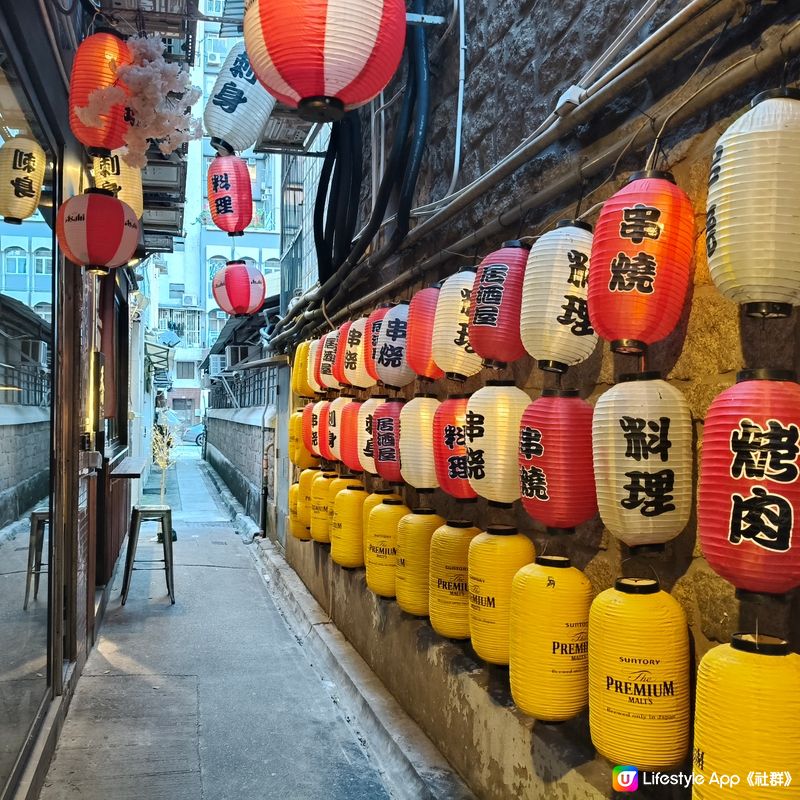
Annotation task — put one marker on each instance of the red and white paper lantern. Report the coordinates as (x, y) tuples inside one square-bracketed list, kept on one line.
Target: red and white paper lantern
[(239, 288), (339, 372), (348, 432), (313, 367), (450, 448), (421, 315), (372, 333), (386, 440)]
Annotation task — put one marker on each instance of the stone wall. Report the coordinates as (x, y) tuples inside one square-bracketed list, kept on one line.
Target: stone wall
[(24, 467)]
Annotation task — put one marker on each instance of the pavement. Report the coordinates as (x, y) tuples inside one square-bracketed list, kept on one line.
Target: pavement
[(213, 698)]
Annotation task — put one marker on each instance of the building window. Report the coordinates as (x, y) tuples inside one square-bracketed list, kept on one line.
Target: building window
[(43, 261), (16, 261), (185, 370), (215, 8), (176, 291), (216, 322), (45, 311), (215, 264), (185, 324)]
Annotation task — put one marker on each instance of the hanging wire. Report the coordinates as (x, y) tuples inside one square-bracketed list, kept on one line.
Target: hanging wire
[(323, 308), (645, 562)]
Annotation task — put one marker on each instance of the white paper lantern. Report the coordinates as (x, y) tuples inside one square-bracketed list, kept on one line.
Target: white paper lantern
[(391, 360), (354, 355), (335, 426), (416, 442), (554, 321), (642, 448), (311, 372), (22, 166), (451, 349), (238, 107), (491, 430), (328, 343), (752, 235), (315, 432), (366, 450), (123, 181)]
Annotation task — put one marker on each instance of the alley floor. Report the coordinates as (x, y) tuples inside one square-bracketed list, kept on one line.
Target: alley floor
[(211, 698)]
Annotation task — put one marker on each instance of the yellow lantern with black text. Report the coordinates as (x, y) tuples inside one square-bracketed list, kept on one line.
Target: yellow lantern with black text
[(22, 168), (495, 557), (381, 546), (414, 533), (548, 639), (448, 594), (372, 500), (746, 713), (337, 485), (300, 384), (417, 466), (347, 527), (296, 528), (307, 477), (113, 174), (639, 675), (320, 519)]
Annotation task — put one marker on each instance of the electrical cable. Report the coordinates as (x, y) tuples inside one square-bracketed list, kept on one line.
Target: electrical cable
[(323, 255)]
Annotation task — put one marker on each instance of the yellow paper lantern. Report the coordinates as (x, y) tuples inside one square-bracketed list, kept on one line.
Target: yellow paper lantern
[(639, 675), (495, 557), (123, 181), (298, 454), (315, 385), (548, 639), (296, 528), (448, 594), (347, 527), (22, 167), (337, 485), (414, 533), (320, 519), (381, 546), (372, 500), (300, 384), (307, 477), (746, 718)]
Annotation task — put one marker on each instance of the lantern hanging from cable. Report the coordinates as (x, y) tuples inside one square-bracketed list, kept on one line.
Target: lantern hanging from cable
[(752, 238), (97, 231), (416, 433), (386, 440), (381, 546), (371, 501), (327, 358), (391, 362), (339, 371), (372, 333), (448, 594), (451, 348), (348, 434), (641, 262), (306, 479), (421, 315), (548, 639), (325, 58), (450, 448), (239, 106), (347, 530), (414, 533), (309, 440), (556, 473), (300, 384), (554, 322), (335, 425), (642, 448), (324, 431), (313, 365), (494, 559), (94, 67), (316, 432), (366, 432), (320, 519), (354, 361), (746, 712), (749, 491), (22, 168), (230, 194), (491, 432), (495, 305), (111, 173), (239, 288), (639, 659), (296, 528)]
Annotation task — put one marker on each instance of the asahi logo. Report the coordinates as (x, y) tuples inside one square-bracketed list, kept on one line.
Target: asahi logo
[(75, 218), (131, 224), (640, 686)]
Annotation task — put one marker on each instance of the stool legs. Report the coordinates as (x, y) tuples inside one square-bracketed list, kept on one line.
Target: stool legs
[(31, 562), (133, 537), (164, 517), (39, 546), (166, 530)]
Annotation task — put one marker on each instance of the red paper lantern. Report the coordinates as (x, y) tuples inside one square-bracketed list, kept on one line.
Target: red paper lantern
[(94, 67), (341, 346), (349, 436), (372, 332), (239, 288), (641, 262), (325, 57), (450, 448), (386, 440), (230, 194), (324, 431), (495, 305), (749, 491), (556, 473), (97, 231), (421, 314), (308, 439)]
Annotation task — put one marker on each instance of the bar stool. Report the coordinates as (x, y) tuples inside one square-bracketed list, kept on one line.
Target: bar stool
[(162, 514), (39, 519)]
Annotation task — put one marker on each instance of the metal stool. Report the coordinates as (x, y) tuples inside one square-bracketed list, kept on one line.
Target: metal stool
[(35, 546), (162, 514)]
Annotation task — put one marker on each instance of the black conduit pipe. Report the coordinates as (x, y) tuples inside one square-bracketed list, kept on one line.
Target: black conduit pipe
[(333, 194), (356, 159), (340, 193), (324, 256)]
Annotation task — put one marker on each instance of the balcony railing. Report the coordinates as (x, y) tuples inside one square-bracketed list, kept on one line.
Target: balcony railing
[(245, 390), (24, 386)]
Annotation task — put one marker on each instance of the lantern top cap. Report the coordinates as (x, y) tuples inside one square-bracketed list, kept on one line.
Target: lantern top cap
[(459, 523), (766, 375), (423, 511), (348, 475), (391, 501), (774, 94), (458, 396), (500, 383), (518, 243), (221, 146), (760, 643), (394, 400), (330, 474), (651, 174), (438, 284), (425, 394), (108, 29), (316, 468), (502, 530), (648, 375), (637, 585), (465, 269), (383, 491), (378, 397), (574, 223), (560, 393), (561, 562), (354, 488), (96, 190)]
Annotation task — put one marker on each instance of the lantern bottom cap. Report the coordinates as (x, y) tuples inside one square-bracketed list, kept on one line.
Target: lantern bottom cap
[(767, 310), (560, 531), (455, 376), (466, 499), (628, 346), (235, 233), (221, 146), (99, 152), (12, 220), (498, 504), (761, 597), (320, 109), (93, 269), (548, 365), (491, 363), (641, 549)]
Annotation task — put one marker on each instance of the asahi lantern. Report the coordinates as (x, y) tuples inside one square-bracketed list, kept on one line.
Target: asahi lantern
[(421, 316), (391, 362), (554, 321), (366, 432), (749, 492), (386, 440), (416, 435), (451, 349), (414, 533), (639, 676), (230, 194), (355, 361), (450, 448), (22, 168), (239, 288), (300, 384), (307, 477), (642, 443)]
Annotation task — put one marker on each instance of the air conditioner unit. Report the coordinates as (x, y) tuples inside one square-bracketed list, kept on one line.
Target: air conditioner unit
[(213, 58), (33, 351), (234, 353), (216, 365), (190, 300)]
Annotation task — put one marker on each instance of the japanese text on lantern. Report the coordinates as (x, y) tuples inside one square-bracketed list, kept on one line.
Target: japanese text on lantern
[(23, 161), (354, 337), (474, 428), (328, 356), (386, 439), (368, 450), (453, 436), (391, 355), (462, 332), (576, 308), (636, 272), (532, 479), (489, 295), (315, 429), (648, 490)]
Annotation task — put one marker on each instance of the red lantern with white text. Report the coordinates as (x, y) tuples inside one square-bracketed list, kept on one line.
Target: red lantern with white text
[(450, 448), (641, 262), (372, 333), (349, 436), (239, 288), (230, 194), (421, 315), (386, 440), (341, 352)]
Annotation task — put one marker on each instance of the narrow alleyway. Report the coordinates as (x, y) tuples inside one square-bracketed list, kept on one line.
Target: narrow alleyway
[(212, 697)]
